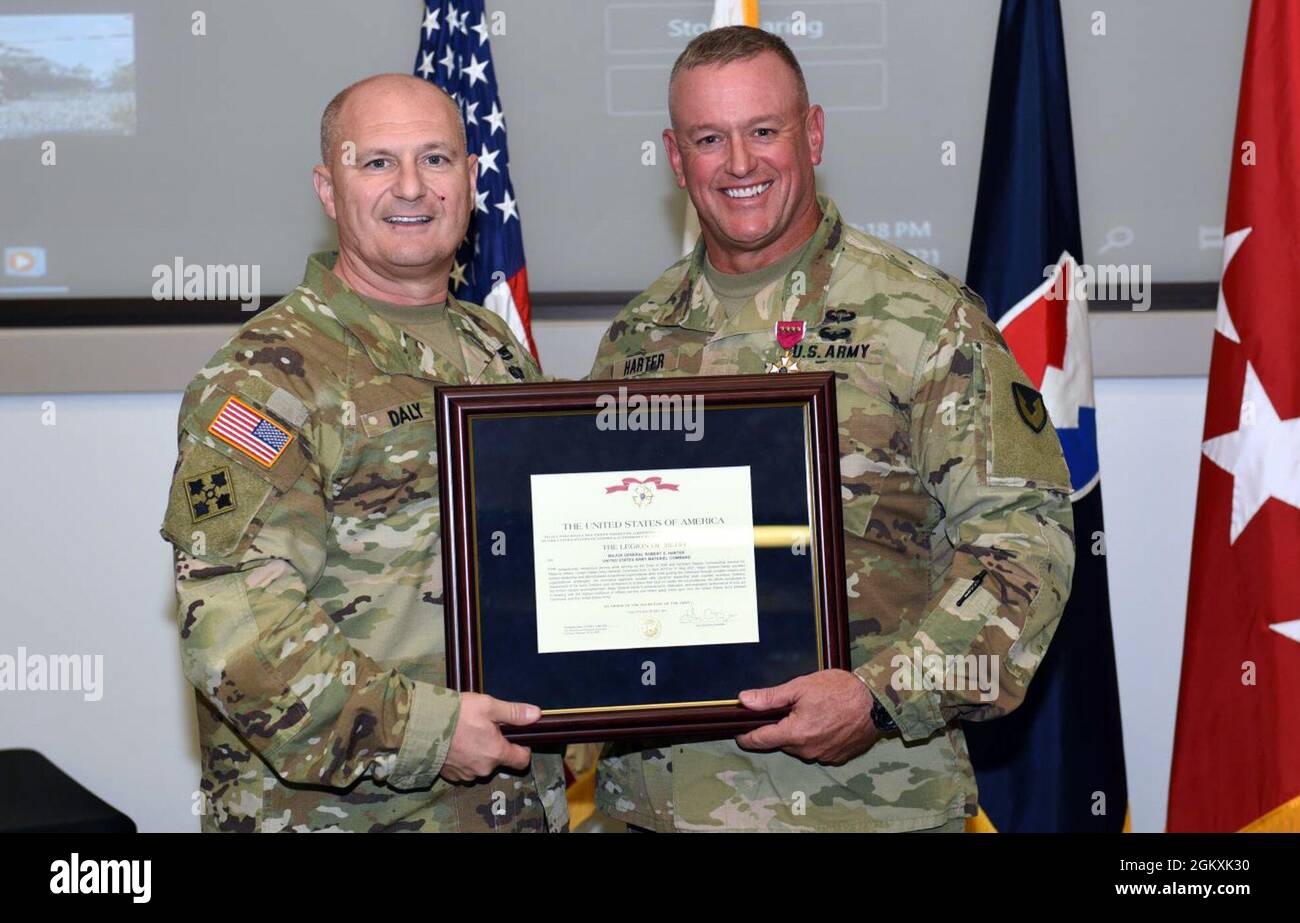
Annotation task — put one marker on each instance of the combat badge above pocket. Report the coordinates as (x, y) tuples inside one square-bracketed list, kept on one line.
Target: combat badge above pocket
[(1021, 442)]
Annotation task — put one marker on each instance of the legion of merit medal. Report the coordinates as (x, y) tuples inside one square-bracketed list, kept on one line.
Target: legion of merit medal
[(788, 334)]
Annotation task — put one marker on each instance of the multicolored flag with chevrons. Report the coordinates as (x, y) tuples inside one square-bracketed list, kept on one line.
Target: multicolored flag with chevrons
[(1056, 763)]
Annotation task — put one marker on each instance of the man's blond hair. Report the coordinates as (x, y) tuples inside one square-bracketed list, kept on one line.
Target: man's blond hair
[(736, 43)]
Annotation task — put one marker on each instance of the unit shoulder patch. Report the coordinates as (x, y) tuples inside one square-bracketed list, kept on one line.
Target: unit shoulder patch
[(214, 504), (1021, 443), (1029, 404), (210, 493)]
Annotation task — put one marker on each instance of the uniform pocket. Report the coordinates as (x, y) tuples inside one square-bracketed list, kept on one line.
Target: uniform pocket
[(857, 511)]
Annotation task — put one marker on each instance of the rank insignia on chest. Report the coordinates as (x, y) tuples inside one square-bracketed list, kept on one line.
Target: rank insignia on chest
[(210, 494), (789, 333)]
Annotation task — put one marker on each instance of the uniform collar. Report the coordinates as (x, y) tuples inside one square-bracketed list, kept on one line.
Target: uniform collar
[(392, 350), (694, 306)]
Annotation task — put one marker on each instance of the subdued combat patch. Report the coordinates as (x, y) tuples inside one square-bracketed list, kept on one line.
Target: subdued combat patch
[(1016, 448), (1029, 404), (204, 478), (210, 494)]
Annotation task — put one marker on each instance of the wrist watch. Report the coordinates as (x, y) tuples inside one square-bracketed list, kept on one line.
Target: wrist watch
[(879, 717)]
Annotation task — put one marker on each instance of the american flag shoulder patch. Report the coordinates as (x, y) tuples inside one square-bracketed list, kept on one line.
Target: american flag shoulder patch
[(251, 432)]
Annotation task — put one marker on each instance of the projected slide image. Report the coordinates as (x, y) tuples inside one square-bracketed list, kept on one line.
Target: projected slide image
[(67, 73)]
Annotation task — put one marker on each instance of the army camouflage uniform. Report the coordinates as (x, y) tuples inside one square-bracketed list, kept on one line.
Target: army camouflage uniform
[(942, 478), (310, 588)]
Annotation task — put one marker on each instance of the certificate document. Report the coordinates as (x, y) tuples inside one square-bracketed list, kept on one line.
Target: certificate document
[(628, 559)]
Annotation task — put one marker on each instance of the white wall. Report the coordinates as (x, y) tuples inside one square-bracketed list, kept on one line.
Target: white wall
[(1149, 440), (84, 571)]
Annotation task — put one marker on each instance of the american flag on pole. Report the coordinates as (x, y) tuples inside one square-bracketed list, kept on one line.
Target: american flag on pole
[(455, 54), (255, 435)]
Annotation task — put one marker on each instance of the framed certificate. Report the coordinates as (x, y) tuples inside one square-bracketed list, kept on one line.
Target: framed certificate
[(630, 555)]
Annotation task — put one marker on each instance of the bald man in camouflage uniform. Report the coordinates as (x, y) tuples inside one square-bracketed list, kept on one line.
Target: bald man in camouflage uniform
[(304, 515), (958, 531)]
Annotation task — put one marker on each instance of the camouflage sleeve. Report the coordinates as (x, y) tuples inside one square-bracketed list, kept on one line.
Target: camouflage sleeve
[(984, 447), (250, 544)]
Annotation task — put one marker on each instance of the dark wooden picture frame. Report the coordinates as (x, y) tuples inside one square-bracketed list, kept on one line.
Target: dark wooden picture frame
[(457, 409)]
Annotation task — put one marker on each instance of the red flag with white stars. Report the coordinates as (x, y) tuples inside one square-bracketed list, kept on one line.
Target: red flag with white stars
[(1237, 747)]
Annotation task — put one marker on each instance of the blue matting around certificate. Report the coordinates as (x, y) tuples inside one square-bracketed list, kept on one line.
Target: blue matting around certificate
[(507, 450)]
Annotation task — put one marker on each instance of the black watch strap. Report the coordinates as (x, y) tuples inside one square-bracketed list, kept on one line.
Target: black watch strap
[(880, 718)]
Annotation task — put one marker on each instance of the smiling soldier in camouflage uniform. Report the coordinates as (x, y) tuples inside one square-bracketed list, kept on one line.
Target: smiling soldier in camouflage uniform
[(304, 514), (958, 531)]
